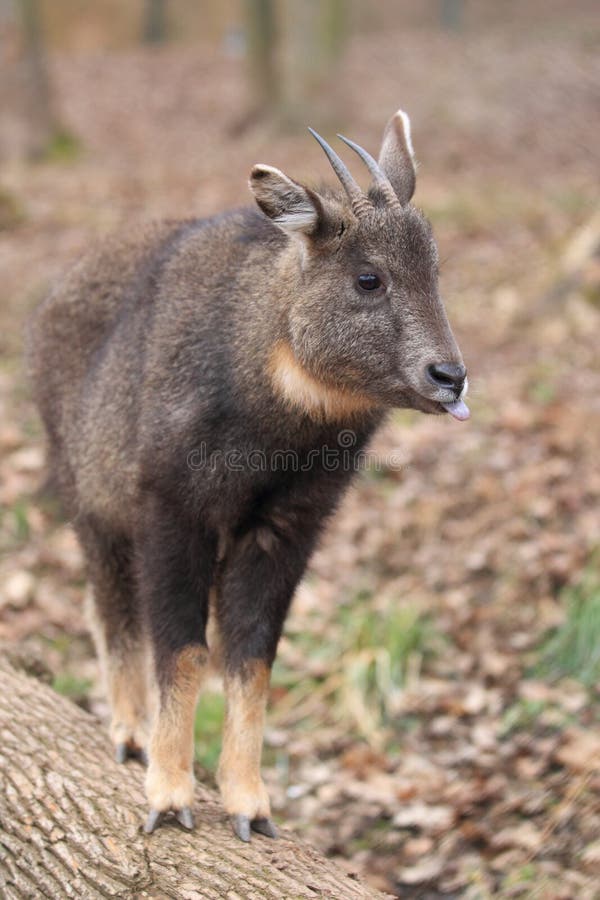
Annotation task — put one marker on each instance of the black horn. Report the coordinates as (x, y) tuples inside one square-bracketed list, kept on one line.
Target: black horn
[(380, 179), (360, 202)]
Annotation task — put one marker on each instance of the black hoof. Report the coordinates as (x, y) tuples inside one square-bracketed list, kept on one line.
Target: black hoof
[(124, 751), (153, 821), (121, 753), (184, 817), (241, 826), (264, 826)]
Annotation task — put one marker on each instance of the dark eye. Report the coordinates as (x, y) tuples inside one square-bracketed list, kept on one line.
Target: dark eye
[(369, 282)]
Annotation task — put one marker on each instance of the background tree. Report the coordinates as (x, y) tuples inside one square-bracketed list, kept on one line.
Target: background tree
[(451, 14), (43, 124), (261, 37), (292, 51), (155, 21)]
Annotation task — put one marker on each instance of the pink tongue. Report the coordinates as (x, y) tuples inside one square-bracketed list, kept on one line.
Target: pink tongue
[(458, 409)]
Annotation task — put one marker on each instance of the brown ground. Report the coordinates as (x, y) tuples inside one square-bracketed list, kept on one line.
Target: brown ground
[(412, 735)]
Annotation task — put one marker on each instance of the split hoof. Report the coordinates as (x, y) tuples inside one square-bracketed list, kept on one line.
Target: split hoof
[(243, 825), (156, 818), (124, 751)]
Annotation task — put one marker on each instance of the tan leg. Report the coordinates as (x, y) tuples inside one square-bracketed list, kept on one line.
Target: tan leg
[(129, 685), (170, 778), (132, 699), (244, 795)]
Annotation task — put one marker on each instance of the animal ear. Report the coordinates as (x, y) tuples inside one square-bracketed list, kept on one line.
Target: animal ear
[(397, 158), (290, 205)]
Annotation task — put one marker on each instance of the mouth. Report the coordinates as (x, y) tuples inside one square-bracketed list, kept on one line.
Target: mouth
[(458, 409), (409, 398)]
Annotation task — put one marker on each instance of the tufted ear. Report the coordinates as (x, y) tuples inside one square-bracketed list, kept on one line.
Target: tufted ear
[(291, 206), (397, 158)]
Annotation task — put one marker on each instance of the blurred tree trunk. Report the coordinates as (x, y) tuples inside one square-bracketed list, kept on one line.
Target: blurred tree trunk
[(155, 21), (451, 14), (334, 29), (261, 35), (42, 119), (70, 819), (6, 11), (293, 48)]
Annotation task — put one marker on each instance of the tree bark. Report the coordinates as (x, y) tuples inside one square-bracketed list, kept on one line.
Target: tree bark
[(70, 820), (43, 121), (155, 21), (451, 14), (293, 49), (262, 38), (313, 34)]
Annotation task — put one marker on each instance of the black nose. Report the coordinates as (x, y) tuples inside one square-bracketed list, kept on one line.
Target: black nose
[(447, 375)]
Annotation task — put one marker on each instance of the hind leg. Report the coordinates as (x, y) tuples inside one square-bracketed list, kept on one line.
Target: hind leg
[(119, 636)]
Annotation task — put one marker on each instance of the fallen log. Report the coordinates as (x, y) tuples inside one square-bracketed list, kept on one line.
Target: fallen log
[(70, 821)]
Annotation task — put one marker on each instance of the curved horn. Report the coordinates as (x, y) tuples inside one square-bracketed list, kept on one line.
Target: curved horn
[(380, 179), (359, 201)]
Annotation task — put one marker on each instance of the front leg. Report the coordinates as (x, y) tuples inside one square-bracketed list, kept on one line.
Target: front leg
[(259, 576), (176, 561), (244, 795), (170, 777)]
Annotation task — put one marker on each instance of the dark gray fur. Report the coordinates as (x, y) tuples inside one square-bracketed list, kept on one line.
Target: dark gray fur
[(160, 343)]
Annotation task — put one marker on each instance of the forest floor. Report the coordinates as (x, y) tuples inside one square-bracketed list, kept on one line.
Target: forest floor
[(435, 714)]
